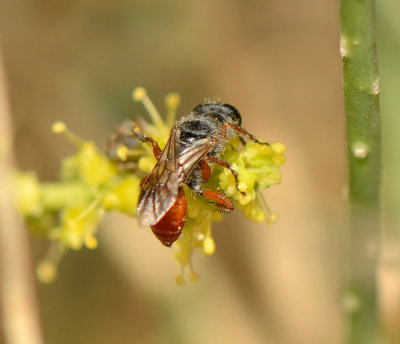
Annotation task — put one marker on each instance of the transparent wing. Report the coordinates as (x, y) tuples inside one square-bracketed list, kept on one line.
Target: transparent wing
[(160, 189)]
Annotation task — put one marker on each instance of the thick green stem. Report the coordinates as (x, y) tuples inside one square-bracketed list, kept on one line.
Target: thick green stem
[(361, 98)]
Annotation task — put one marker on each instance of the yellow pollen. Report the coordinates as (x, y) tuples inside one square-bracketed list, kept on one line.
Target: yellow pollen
[(135, 129), (278, 147), (179, 280), (208, 246), (46, 271), (138, 94), (91, 242), (58, 127), (110, 201), (231, 190), (243, 187), (194, 277), (272, 218), (122, 152), (198, 240), (172, 100)]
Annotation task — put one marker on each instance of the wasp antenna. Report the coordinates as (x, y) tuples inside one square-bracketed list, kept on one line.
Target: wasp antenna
[(61, 128)]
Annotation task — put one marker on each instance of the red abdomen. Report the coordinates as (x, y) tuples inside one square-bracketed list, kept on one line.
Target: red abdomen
[(169, 228)]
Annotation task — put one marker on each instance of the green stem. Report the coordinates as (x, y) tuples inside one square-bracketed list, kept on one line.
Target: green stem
[(361, 99), (55, 196)]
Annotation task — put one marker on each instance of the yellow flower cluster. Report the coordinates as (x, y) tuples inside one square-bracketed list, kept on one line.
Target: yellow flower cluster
[(68, 212)]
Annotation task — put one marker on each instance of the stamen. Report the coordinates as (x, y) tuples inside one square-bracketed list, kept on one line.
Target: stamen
[(172, 101), (208, 243), (91, 242), (46, 270), (179, 279), (140, 95), (264, 204), (134, 153), (193, 277), (271, 217), (61, 128), (122, 152), (87, 210)]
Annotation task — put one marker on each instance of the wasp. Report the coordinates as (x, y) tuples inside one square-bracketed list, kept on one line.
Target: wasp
[(196, 142), (123, 148)]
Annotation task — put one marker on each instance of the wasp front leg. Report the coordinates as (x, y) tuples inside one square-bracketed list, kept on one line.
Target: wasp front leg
[(241, 132), (206, 169), (144, 138)]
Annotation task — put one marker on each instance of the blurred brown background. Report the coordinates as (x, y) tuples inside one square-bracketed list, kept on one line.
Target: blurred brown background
[(279, 64)]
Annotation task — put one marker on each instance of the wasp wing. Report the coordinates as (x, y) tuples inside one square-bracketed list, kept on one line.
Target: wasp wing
[(160, 188)]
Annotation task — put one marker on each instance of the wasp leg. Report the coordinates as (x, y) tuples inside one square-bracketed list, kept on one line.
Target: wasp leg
[(239, 130), (156, 148), (225, 164), (222, 203), (205, 170)]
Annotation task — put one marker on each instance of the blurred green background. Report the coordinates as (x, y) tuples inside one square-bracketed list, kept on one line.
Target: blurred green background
[(279, 64)]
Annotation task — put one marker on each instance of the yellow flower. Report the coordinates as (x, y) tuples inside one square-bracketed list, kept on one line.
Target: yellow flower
[(68, 212)]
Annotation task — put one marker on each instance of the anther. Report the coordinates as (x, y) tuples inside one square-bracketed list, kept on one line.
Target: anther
[(138, 94), (122, 152), (61, 128)]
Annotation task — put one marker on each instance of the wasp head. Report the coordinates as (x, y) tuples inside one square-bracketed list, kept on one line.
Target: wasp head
[(221, 112)]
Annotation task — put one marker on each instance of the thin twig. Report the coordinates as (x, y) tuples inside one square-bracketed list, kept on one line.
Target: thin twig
[(19, 307)]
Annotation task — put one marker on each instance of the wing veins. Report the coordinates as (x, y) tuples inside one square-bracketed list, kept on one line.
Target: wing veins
[(161, 188)]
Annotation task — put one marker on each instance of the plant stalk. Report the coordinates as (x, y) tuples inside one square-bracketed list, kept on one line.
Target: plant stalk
[(361, 100)]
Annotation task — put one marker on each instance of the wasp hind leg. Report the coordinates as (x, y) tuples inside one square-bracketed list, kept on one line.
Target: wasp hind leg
[(223, 204), (221, 201)]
